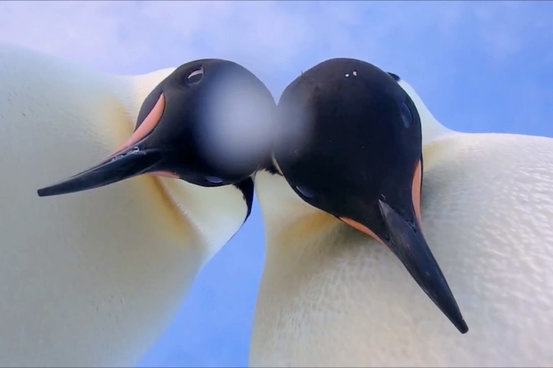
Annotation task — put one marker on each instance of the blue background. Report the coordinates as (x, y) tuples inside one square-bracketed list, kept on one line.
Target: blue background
[(480, 67)]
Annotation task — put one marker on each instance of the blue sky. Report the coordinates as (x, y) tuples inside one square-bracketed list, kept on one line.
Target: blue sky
[(479, 66)]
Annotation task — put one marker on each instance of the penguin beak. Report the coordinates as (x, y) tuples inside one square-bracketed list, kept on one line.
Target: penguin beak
[(131, 159), (122, 165), (408, 244)]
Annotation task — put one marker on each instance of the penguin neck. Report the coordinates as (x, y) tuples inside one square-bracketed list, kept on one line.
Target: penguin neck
[(216, 213), (432, 129), (290, 223)]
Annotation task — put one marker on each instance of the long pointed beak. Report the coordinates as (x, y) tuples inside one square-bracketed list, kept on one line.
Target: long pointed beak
[(124, 164), (130, 159), (408, 244)]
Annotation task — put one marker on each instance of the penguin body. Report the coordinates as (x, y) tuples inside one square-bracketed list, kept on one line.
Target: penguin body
[(332, 296), (93, 278)]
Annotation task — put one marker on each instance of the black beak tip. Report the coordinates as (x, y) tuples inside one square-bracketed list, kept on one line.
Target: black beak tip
[(462, 326), (51, 190), (450, 308), (43, 192)]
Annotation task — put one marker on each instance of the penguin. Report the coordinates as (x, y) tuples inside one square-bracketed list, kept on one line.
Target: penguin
[(92, 278), (377, 200)]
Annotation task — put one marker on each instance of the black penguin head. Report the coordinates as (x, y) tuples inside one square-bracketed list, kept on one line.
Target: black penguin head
[(194, 125), (363, 140), (360, 159)]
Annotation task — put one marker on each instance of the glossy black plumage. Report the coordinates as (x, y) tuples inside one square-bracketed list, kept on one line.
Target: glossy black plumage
[(361, 145)]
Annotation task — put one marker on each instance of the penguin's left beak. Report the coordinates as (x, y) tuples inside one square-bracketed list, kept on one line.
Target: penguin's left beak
[(133, 158), (122, 165)]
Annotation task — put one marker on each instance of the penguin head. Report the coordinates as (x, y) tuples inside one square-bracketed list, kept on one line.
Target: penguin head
[(360, 159), (198, 125)]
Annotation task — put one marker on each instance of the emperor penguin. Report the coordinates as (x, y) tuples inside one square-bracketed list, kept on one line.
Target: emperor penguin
[(375, 196), (91, 279)]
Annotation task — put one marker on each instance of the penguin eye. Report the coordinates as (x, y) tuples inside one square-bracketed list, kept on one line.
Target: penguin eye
[(195, 76), (406, 115), (214, 179), (305, 192)]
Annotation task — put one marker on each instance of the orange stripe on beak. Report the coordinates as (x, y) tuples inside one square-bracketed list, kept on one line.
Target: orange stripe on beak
[(416, 195), (167, 174), (416, 192), (147, 125), (358, 226)]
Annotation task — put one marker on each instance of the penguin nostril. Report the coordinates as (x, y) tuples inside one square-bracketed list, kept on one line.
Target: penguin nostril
[(195, 76)]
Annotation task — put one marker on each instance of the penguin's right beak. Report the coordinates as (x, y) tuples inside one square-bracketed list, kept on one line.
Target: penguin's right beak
[(404, 237)]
